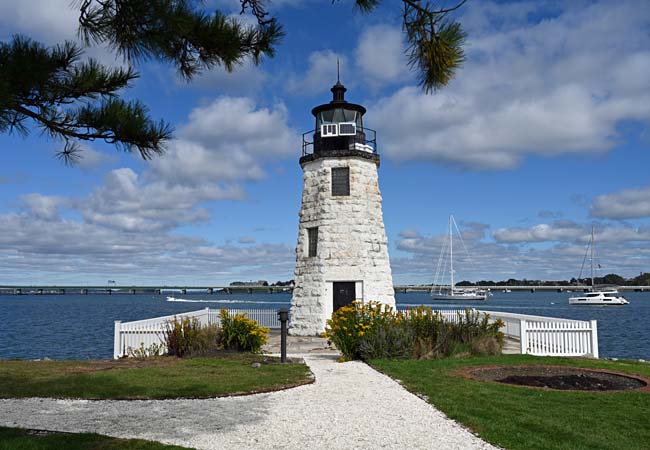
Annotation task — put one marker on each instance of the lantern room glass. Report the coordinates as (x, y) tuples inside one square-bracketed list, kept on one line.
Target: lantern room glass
[(338, 115)]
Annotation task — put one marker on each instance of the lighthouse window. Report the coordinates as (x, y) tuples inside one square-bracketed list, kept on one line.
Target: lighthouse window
[(340, 181), (312, 235)]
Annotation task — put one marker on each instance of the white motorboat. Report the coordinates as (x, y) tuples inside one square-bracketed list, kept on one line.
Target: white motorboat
[(609, 297), (597, 297), (451, 292)]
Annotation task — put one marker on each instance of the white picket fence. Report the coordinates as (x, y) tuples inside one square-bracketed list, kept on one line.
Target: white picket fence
[(540, 335), (133, 335), (537, 335), (549, 336), (449, 315)]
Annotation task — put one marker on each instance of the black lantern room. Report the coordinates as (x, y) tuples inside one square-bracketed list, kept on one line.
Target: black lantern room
[(339, 130)]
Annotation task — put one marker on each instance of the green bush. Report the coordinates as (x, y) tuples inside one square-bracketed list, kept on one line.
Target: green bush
[(371, 330), (350, 324), (186, 337), (390, 340), (240, 333), (476, 334)]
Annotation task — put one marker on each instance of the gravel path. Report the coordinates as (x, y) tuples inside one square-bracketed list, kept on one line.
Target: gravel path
[(350, 406)]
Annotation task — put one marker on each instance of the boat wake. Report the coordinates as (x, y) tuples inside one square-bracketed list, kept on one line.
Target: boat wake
[(187, 300)]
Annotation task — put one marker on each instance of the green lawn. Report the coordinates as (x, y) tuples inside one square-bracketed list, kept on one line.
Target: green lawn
[(19, 439), (156, 378), (522, 418)]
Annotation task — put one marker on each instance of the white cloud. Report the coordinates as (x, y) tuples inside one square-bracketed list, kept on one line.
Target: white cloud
[(92, 159), (51, 21), (127, 226), (556, 253), (380, 55), (34, 250), (246, 78), (568, 231), (228, 140), (237, 124), (625, 204), (320, 74), (43, 206), (125, 202), (558, 86)]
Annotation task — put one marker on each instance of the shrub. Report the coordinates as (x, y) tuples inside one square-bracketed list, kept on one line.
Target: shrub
[(186, 337), (143, 352), (477, 334), (373, 330), (391, 340), (429, 331), (241, 333), (349, 324)]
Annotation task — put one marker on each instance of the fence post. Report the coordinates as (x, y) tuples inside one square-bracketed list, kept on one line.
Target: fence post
[(207, 317), (594, 338), (283, 315), (117, 340), (523, 339)]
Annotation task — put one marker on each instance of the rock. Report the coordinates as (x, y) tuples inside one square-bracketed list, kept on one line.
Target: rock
[(256, 365)]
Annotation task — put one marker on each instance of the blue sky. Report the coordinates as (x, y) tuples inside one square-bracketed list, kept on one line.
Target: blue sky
[(543, 133)]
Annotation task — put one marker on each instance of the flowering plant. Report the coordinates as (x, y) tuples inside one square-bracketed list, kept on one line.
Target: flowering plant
[(350, 324), (372, 330), (241, 333)]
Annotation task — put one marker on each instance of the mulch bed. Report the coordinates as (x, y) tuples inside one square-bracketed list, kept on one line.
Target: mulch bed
[(559, 377)]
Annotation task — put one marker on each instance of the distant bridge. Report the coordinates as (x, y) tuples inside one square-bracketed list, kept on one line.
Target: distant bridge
[(250, 289), (117, 289)]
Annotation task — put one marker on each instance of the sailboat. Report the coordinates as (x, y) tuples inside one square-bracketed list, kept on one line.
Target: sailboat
[(451, 292), (597, 297)]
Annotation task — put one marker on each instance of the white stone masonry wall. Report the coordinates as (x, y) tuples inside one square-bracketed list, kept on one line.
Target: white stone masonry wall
[(352, 244)]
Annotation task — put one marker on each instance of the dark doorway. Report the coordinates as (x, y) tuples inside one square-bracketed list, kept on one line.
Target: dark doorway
[(344, 293)]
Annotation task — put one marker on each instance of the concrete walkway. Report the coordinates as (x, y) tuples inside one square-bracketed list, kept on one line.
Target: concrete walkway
[(350, 406)]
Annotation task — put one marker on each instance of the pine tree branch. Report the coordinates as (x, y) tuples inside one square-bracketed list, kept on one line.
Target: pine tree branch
[(72, 100), (435, 48), (175, 31), (435, 43)]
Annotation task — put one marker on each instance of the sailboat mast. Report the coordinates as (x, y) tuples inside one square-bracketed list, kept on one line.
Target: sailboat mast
[(592, 257), (451, 253)]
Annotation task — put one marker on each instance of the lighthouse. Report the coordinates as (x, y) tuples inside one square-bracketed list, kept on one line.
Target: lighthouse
[(342, 251)]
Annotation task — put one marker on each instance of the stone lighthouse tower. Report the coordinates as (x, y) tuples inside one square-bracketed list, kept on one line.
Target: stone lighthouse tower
[(342, 252)]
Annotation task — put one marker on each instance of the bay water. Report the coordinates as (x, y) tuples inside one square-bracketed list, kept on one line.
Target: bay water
[(81, 326)]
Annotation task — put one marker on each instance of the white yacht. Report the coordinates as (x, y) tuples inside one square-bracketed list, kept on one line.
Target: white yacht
[(451, 292), (602, 298), (597, 297), (459, 294)]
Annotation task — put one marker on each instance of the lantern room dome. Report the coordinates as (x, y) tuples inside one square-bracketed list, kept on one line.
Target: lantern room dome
[(339, 131), (338, 110)]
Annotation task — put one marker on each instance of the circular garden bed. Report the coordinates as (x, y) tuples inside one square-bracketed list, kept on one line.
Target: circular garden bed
[(559, 377)]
